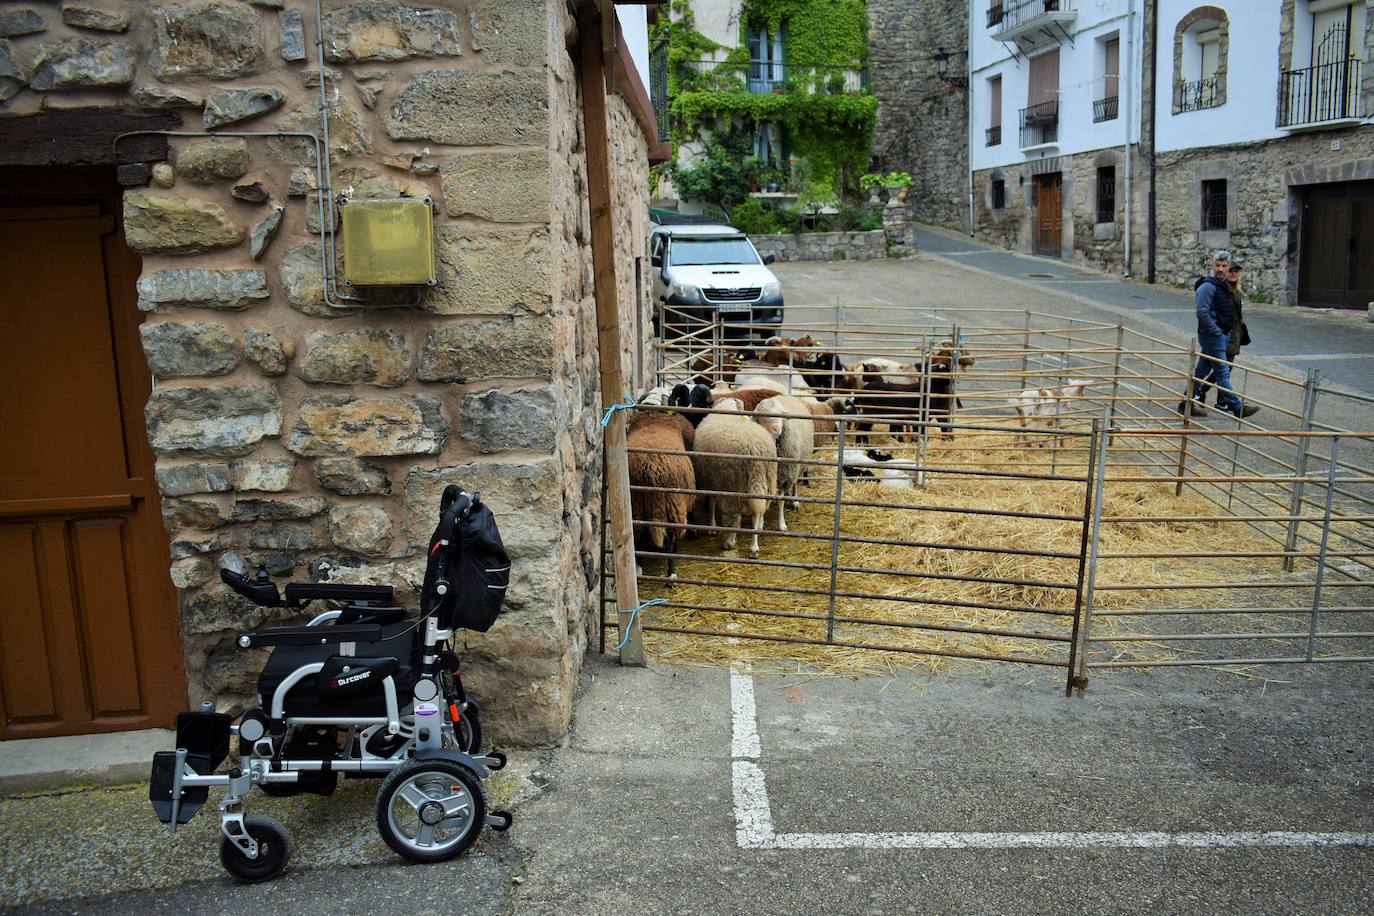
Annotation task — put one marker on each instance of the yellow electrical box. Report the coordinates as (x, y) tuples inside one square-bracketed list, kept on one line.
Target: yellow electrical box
[(388, 242)]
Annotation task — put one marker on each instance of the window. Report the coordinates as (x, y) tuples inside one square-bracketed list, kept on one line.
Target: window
[(1214, 205), (1201, 42), (1326, 81), (1040, 117), (1105, 106), (999, 194), (765, 60), (1106, 194), (995, 117), (767, 146)]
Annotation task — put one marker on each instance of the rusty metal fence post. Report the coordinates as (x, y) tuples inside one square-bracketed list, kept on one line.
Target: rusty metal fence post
[(1116, 370), (1311, 389), (1080, 680), (1082, 559), (1321, 549), (1188, 402), (1025, 350), (835, 531)]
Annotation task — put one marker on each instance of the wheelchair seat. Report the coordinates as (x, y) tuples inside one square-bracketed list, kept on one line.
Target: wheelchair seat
[(398, 642)]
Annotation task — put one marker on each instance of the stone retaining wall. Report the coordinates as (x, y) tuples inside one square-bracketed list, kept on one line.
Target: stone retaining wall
[(824, 246), (316, 439)]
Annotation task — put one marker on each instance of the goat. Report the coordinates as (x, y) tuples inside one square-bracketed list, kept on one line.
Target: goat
[(735, 454), (1043, 407)]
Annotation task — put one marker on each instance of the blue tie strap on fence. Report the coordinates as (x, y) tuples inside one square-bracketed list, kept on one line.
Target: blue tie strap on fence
[(634, 613), (624, 405)]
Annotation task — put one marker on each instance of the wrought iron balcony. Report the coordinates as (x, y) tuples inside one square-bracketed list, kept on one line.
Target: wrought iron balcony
[(1198, 94), (1105, 109), (761, 77), (1040, 124), (1031, 20), (995, 135), (1327, 92)]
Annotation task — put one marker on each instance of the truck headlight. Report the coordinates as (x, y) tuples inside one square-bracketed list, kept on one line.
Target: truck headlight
[(688, 293), (772, 288)]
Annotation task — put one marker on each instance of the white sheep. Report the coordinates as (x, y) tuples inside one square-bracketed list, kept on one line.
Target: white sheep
[(1044, 407), (743, 463), (796, 443)]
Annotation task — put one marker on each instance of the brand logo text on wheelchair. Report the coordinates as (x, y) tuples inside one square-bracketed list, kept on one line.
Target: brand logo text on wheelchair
[(362, 690)]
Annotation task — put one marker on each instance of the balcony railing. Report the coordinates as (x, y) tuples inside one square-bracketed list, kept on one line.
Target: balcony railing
[(1327, 92), (1040, 124), (995, 135), (1009, 15), (1198, 94), (760, 76), (1105, 109)]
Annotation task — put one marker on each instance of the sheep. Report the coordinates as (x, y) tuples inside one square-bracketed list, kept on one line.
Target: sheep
[(796, 443), (753, 477), (1043, 407), (823, 411), (662, 472)]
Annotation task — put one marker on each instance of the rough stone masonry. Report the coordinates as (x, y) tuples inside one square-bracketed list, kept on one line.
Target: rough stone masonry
[(315, 438)]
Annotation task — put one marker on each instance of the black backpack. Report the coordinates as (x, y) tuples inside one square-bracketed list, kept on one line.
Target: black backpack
[(468, 569)]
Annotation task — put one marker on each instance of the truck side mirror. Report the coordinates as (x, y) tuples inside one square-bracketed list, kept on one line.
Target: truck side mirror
[(656, 260), (769, 258)]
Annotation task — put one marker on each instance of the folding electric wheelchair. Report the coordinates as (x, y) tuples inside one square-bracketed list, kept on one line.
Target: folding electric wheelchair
[(360, 691)]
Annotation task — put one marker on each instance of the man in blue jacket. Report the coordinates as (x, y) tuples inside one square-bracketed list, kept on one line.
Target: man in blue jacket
[(1215, 316)]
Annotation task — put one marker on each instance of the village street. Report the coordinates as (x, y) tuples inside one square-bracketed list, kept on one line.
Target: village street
[(978, 788)]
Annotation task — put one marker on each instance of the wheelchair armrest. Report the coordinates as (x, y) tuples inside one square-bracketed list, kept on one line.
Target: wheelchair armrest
[(263, 594), (310, 636), (334, 591), (356, 613)]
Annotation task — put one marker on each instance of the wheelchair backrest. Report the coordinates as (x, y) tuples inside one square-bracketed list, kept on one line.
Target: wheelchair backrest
[(468, 568)]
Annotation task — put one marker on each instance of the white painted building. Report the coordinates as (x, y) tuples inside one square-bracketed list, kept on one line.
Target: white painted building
[(1053, 85), (1265, 145)]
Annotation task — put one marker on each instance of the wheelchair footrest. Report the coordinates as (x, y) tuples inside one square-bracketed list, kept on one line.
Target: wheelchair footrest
[(164, 778)]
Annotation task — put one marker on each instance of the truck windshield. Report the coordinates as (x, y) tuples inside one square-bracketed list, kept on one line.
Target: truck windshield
[(688, 252)]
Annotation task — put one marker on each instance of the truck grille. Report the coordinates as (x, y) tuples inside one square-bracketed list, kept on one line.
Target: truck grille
[(742, 294)]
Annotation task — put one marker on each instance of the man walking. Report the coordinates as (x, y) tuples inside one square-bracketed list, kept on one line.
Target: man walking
[(1238, 336), (1215, 317)]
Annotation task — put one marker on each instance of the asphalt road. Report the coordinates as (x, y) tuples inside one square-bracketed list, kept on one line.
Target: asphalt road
[(836, 795)]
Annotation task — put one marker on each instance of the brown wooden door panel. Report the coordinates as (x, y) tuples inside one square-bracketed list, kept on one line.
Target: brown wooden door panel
[(1336, 261), (89, 637), (28, 681), (1049, 215), (66, 364), (1362, 254), (104, 607)]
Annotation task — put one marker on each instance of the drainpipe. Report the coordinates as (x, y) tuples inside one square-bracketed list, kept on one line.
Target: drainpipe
[(1128, 71), (1152, 228), (968, 133)]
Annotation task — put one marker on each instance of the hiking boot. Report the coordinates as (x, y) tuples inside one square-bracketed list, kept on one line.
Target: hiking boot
[(1243, 410), (1198, 413)]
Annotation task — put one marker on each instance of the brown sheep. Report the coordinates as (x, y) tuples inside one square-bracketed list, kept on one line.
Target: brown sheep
[(657, 430)]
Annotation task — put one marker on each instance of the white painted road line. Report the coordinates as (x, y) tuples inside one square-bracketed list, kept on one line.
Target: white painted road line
[(754, 815)]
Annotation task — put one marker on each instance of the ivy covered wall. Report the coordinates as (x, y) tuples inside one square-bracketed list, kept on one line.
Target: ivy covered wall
[(818, 99)]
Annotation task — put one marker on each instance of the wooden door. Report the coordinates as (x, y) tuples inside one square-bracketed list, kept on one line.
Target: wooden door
[(1336, 257), (89, 636), (1049, 214)]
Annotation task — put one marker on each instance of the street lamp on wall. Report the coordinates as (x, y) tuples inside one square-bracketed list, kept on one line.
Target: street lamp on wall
[(941, 58)]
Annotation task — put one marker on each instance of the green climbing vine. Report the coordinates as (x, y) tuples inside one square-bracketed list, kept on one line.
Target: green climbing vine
[(823, 122)]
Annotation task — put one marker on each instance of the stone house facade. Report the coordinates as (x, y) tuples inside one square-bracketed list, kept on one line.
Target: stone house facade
[(1266, 146), (918, 111), (278, 422)]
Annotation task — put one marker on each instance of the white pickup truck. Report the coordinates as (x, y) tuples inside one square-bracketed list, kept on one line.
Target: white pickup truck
[(704, 268)]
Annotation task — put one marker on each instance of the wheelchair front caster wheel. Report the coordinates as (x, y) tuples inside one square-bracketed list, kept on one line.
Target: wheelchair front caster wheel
[(496, 760), (274, 848), (431, 810), (500, 821)]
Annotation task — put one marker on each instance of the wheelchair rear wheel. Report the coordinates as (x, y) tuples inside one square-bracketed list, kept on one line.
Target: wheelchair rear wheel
[(431, 810), (274, 848)]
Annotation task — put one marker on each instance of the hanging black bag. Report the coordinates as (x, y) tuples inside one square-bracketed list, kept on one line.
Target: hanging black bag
[(469, 584)]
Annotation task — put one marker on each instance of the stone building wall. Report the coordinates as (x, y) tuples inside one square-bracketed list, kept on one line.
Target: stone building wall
[(1264, 203), (313, 439), (824, 246), (922, 121), (1101, 246)]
